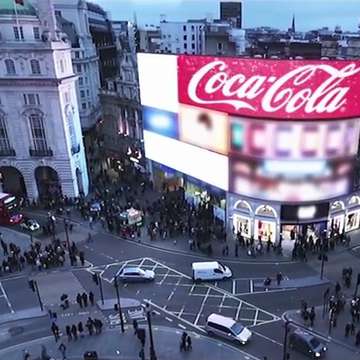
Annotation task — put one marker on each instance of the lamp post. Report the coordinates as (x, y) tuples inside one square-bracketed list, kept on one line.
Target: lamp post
[(148, 316), (287, 323), (66, 226), (34, 287), (323, 257), (116, 285), (325, 301), (97, 280)]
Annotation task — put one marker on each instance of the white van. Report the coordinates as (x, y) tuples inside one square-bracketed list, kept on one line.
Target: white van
[(227, 328), (210, 270)]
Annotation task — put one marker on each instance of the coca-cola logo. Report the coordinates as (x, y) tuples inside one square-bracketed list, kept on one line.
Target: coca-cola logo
[(315, 89)]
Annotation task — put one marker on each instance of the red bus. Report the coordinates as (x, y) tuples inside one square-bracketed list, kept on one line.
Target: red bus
[(9, 210)]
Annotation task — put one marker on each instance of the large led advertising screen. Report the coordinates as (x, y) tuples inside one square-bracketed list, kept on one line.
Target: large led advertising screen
[(281, 130)]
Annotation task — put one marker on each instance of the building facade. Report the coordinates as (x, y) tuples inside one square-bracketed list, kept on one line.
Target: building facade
[(73, 18), (42, 152), (231, 11)]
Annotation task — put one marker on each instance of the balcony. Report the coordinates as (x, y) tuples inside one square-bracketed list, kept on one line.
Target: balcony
[(75, 149), (7, 152), (41, 152)]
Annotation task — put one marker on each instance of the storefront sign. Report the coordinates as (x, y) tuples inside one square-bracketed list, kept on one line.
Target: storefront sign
[(271, 88), (305, 212)]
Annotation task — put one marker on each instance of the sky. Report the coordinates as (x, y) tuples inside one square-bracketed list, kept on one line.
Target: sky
[(309, 14)]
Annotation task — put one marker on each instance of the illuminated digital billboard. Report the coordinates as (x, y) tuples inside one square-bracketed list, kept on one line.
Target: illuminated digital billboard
[(280, 130)]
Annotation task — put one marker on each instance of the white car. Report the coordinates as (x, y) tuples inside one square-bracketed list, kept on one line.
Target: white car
[(30, 225), (135, 274), (227, 328)]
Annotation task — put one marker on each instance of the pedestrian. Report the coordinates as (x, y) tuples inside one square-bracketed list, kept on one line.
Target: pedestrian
[(236, 250), (352, 329), (347, 329), (337, 288), (85, 299), (68, 332), (357, 338), (136, 326), (79, 300), (26, 355), (142, 354), (55, 331), (312, 316), (82, 258), (188, 343), (183, 341), (90, 326), (80, 328), (91, 298), (62, 349), (279, 278), (74, 332), (44, 355)]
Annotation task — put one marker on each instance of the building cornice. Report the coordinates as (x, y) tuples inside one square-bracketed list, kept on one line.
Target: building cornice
[(35, 82)]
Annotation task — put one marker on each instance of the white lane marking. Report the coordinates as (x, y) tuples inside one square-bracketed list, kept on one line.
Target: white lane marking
[(268, 339), (256, 316), (233, 287), (251, 286), (181, 311), (169, 319), (222, 302), (238, 311), (202, 306), (6, 298), (182, 326), (170, 296), (164, 277)]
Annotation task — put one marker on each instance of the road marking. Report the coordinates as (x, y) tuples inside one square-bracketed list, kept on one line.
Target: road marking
[(164, 277), (233, 287), (238, 311), (168, 319), (256, 316), (202, 306), (251, 285), (181, 311), (6, 298), (267, 338), (182, 326), (170, 296), (222, 301)]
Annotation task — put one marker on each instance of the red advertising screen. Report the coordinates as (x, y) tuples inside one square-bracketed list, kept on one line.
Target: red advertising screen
[(277, 89)]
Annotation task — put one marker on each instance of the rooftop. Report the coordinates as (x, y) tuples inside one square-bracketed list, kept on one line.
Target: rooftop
[(7, 7)]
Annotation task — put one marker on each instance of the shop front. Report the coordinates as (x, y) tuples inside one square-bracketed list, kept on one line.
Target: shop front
[(198, 192), (352, 221), (336, 224), (305, 222), (165, 178), (265, 224), (242, 219)]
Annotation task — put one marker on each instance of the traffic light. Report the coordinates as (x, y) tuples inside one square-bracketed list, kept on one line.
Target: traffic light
[(32, 285), (95, 279)]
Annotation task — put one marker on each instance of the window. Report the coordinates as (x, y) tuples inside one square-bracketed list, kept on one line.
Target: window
[(184, 27), (81, 81), (10, 67), (128, 75), (78, 68), (4, 139), (83, 106), (31, 99), (192, 28), (35, 67), (220, 46), (77, 54), (193, 37), (71, 128), (87, 93), (62, 67), (57, 12), (36, 33), (37, 132), (185, 37), (185, 45), (18, 33), (82, 93), (193, 46)]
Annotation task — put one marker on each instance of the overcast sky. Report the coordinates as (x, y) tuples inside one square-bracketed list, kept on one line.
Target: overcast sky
[(309, 14)]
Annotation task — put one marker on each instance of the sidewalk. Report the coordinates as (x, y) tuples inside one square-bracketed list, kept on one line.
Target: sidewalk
[(321, 325), (114, 345)]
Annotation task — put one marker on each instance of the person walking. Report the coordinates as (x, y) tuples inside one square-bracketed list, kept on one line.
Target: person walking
[(188, 343), (82, 258), (55, 331), (279, 278), (85, 299), (90, 326), (91, 298), (136, 326), (357, 338), (68, 332), (74, 332), (312, 316), (80, 328), (62, 349), (347, 329), (183, 341), (26, 355), (79, 300)]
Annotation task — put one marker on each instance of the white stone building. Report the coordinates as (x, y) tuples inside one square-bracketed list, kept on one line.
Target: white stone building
[(73, 17), (41, 146)]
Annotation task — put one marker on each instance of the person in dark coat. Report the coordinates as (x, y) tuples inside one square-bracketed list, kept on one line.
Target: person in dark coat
[(68, 332), (74, 332), (80, 328), (85, 299), (91, 298)]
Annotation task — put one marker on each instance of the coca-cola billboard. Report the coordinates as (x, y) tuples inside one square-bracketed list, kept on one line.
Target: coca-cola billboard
[(278, 89)]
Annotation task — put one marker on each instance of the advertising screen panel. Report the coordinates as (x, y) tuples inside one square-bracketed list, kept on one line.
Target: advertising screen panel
[(280, 130)]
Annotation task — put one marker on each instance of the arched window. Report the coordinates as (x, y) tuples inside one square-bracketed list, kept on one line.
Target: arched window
[(38, 132), (4, 139), (35, 67), (10, 67)]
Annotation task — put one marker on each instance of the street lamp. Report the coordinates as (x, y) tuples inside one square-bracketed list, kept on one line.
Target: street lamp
[(325, 301), (97, 280), (287, 323), (116, 285), (323, 257), (148, 316), (34, 287), (66, 226)]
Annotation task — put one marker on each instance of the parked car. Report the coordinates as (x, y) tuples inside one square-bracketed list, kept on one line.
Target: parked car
[(210, 270), (307, 344), (227, 328), (136, 274), (29, 225)]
